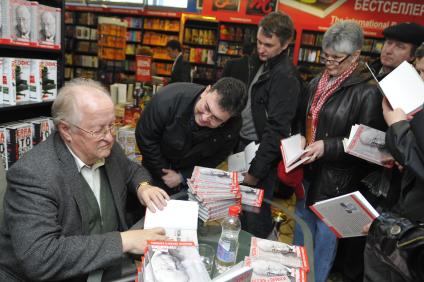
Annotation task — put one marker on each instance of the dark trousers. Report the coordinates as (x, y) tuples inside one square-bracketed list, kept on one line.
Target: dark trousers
[(260, 224)]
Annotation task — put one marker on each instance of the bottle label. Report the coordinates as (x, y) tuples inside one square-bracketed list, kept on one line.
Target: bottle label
[(224, 254)]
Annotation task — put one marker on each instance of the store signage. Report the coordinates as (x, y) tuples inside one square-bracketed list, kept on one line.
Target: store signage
[(225, 5), (260, 7), (142, 72)]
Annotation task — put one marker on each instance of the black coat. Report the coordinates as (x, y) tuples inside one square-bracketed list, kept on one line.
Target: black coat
[(274, 104), (405, 141), (164, 133), (239, 68), (181, 71), (356, 101)]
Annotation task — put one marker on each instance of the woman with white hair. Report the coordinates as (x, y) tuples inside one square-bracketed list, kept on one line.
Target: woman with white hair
[(343, 95)]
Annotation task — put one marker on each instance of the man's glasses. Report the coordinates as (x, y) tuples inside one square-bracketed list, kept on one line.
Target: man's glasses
[(98, 134), (326, 59)]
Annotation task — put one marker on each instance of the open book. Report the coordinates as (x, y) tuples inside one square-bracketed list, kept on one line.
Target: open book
[(346, 215), (241, 161), (403, 88), (292, 150), (369, 144), (179, 218)]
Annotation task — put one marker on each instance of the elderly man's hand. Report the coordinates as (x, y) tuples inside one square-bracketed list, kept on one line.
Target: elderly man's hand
[(135, 241), (171, 178), (152, 197)]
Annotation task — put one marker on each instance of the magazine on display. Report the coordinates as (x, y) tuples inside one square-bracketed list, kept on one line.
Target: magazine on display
[(288, 255), (178, 218), (346, 215), (369, 144), (167, 261), (403, 88), (265, 270), (241, 161), (291, 151)]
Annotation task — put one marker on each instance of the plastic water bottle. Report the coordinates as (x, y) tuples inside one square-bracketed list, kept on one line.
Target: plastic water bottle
[(226, 253)]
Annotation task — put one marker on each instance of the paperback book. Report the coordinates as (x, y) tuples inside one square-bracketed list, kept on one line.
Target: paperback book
[(284, 254), (269, 271), (43, 80), (19, 141), (241, 161), (291, 151), (369, 144), (346, 215)]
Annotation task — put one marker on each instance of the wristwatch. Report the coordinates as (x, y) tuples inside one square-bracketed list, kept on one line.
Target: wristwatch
[(144, 183)]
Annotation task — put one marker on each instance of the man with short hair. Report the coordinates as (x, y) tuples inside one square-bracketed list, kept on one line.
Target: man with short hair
[(187, 124), (180, 68), (401, 42), (64, 208), (269, 116)]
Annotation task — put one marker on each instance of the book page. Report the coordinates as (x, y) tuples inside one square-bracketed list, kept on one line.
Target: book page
[(250, 153), (175, 217), (404, 88), (346, 215), (291, 150)]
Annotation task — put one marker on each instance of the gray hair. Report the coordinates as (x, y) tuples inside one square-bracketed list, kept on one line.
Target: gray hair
[(419, 53), (343, 37), (65, 107)]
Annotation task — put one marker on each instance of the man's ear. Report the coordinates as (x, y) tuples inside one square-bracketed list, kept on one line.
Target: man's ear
[(64, 131), (356, 55)]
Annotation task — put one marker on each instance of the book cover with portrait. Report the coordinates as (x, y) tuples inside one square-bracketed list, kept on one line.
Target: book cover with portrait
[(20, 21), (269, 271), (285, 254), (49, 23), (177, 261), (43, 80)]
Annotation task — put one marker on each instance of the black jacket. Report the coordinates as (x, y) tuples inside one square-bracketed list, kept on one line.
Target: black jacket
[(164, 133), (239, 68), (405, 141), (356, 101), (274, 104), (181, 71)]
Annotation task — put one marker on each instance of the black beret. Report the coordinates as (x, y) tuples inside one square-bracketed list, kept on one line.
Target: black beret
[(406, 32)]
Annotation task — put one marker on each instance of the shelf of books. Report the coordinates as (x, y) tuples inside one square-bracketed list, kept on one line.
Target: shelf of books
[(199, 37), (232, 36), (32, 58), (309, 61)]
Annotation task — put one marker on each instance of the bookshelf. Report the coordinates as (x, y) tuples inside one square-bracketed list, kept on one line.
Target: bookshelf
[(309, 62), (199, 36), (25, 110)]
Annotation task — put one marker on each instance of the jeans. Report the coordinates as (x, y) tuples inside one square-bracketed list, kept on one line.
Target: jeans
[(325, 241)]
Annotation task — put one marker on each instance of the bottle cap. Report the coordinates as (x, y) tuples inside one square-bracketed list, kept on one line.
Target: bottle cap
[(234, 210)]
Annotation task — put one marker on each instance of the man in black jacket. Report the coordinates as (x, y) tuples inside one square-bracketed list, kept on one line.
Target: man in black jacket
[(185, 125), (180, 68), (273, 98)]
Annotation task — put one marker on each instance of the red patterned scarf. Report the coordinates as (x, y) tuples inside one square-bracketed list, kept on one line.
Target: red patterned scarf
[(325, 89)]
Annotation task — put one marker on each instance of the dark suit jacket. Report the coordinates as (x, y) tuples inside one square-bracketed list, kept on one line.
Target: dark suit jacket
[(238, 68), (45, 235), (181, 71)]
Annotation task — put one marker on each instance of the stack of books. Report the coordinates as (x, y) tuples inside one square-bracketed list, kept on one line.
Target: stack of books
[(215, 190)]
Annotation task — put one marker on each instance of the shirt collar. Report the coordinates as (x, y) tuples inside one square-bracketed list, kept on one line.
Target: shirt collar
[(80, 164)]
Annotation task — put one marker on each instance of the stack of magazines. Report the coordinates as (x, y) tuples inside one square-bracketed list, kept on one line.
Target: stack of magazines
[(276, 261), (215, 190)]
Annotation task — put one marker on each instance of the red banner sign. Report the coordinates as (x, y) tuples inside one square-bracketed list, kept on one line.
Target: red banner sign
[(143, 70)]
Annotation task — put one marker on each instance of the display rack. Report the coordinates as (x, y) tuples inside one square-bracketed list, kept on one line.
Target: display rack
[(199, 36), (26, 110)]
